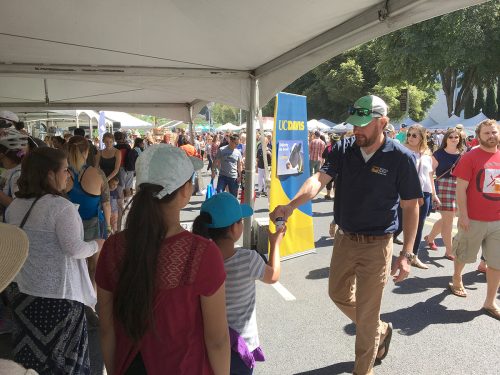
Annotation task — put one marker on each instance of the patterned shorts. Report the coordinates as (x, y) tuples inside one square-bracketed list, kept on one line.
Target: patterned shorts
[(446, 192)]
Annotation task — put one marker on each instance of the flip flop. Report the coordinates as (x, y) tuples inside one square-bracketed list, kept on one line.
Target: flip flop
[(450, 257), (386, 343), (481, 269), (459, 292), (494, 313)]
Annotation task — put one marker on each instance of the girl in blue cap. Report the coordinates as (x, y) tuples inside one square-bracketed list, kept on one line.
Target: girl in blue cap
[(221, 219)]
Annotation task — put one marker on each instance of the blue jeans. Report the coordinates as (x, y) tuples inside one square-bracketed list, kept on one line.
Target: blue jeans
[(238, 367), (231, 183), (422, 214)]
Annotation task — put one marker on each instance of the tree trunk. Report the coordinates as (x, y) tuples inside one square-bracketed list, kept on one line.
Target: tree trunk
[(449, 83), (469, 78)]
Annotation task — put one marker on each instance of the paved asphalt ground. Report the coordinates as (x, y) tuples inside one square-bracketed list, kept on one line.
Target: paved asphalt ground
[(435, 332)]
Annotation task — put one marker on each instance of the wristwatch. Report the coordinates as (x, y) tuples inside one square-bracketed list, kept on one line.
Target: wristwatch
[(410, 256)]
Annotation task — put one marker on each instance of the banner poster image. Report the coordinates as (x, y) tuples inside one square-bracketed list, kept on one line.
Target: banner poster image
[(289, 170), (290, 157)]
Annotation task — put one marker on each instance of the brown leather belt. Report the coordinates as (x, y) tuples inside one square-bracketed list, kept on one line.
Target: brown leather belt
[(365, 238)]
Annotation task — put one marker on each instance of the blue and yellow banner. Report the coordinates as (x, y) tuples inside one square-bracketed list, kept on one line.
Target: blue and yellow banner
[(290, 169)]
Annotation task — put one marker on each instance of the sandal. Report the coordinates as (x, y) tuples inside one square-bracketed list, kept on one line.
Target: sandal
[(430, 245), (459, 292), (450, 257), (492, 311), (386, 343)]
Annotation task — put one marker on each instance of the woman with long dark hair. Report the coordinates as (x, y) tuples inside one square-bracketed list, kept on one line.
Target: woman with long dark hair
[(160, 288), (53, 286), (443, 162)]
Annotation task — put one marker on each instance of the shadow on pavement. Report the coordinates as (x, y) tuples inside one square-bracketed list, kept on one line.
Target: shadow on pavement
[(419, 285), (413, 319), (320, 273), (322, 214), (338, 368), (323, 242)]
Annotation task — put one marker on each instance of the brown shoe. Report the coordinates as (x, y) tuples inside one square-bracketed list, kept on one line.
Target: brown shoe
[(333, 229), (418, 263)]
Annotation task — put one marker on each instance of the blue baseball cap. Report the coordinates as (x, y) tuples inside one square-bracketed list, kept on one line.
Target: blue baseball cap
[(225, 210)]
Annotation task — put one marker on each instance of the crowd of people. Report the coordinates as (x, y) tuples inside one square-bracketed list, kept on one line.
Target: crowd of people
[(98, 241)]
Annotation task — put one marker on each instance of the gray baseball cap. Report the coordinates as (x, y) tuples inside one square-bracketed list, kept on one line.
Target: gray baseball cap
[(167, 166)]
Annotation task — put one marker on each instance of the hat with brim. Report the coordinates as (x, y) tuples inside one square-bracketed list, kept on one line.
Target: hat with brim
[(14, 247), (374, 104), (225, 210), (167, 166)]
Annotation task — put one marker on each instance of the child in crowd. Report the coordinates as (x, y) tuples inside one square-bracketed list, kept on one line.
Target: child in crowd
[(221, 219), (114, 195)]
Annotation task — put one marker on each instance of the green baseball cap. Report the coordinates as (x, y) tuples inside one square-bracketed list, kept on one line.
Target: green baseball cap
[(365, 109)]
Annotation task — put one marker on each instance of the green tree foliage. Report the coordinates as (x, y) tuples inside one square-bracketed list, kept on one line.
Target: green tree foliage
[(491, 108), (469, 106), (479, 105), (461, 48), (498, 98), (222, 114)]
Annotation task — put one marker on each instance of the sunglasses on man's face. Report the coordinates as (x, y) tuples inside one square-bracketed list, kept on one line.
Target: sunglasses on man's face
[(361, 111)]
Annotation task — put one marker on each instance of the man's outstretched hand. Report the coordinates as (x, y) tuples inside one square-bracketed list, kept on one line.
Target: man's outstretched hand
[(281, 211)]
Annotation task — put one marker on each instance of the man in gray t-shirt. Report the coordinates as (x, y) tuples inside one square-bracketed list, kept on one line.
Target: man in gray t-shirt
[(229, 161)]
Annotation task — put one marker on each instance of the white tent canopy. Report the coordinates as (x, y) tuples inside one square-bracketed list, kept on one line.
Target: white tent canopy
[(452, 121), (68, 61), (428, 122), (342, 128), (228, 127), (316, 125), (472, 122), (127, 121)]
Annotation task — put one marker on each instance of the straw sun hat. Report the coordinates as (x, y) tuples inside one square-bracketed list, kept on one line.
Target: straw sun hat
[(13, 252)]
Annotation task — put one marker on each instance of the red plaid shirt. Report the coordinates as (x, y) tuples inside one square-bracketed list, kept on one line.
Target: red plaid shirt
[(316, 148)]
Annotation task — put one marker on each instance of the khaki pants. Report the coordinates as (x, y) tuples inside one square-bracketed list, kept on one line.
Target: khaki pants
[(358, 274)]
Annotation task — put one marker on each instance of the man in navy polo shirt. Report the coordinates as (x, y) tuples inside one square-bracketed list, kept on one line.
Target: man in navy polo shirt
[(371, 172)]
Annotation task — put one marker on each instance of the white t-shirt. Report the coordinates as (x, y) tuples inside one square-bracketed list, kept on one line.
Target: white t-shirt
[(424, 168)]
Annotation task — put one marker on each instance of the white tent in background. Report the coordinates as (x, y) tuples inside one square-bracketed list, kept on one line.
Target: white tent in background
[(267, 122), (342, 128), (472, 122), (427, 122), (407, 121), (228, 127), (317, 125), (453, 121), (127, 121), (327, 122)]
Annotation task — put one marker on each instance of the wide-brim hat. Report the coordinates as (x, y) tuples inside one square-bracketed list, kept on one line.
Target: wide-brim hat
[(14, 247)]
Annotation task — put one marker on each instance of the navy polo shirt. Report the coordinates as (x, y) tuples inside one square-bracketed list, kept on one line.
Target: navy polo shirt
[(367, 193)]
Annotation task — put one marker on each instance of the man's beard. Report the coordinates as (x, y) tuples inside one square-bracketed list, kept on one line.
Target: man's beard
[(363, 141), (489, 143)]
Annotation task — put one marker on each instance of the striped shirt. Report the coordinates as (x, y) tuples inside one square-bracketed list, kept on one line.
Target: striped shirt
[(242, 269), (316, 148)]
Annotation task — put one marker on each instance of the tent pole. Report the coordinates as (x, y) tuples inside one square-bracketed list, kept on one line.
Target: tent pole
[(191, 132), (250, 160)]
